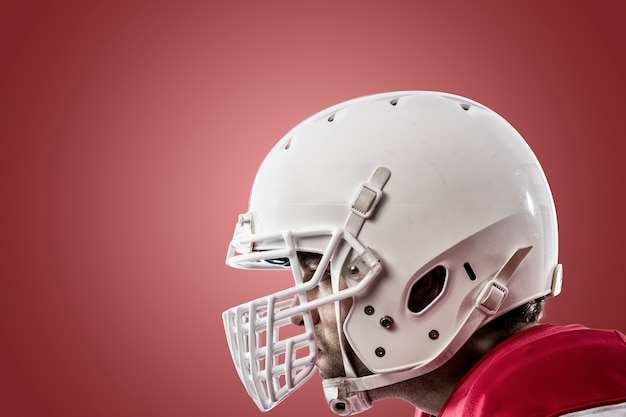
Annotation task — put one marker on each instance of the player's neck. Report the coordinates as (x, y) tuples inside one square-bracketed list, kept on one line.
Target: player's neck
[(429, 392)]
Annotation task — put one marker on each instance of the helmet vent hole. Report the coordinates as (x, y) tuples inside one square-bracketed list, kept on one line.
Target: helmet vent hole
[(470, 272), (465, 106), (287, 144), (427, 289), (331, 117), (394, 102)]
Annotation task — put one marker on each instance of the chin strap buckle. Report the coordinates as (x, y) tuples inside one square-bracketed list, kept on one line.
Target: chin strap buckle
[(490, 298), (366, 199), (493, 293), (342, 400)]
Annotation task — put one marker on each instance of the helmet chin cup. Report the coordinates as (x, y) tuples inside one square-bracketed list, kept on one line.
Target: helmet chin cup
[(343, 402)]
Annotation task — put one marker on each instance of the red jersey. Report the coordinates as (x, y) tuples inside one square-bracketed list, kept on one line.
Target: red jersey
[(545, 371)]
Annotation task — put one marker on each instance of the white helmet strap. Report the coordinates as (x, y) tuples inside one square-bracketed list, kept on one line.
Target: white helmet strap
[(361, 208), (366, 200)]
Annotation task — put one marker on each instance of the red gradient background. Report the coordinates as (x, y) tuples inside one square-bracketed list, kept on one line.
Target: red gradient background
[(131, 132)]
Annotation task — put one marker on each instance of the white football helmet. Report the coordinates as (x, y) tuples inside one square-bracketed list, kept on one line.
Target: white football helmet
[(390, 188)]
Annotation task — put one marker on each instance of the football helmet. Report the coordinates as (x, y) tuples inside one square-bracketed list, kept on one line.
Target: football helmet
[(390, 189)]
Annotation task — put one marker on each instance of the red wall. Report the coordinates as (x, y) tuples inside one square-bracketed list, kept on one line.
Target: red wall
[(130, 134)]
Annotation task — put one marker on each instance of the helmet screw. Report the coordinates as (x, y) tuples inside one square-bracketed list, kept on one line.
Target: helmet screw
[(380, 352), (386, 322), (369, 310), (353, 270), (433, 334)]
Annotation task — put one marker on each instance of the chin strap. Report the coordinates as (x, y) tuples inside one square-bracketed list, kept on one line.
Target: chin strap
[(340, 394)]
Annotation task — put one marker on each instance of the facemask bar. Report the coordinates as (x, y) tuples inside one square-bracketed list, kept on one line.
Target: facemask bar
[(272, 356)]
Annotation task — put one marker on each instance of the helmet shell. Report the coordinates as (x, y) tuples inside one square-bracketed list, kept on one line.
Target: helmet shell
[(464, 188)]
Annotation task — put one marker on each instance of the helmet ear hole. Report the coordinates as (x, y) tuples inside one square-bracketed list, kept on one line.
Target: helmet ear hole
[(427, 289)]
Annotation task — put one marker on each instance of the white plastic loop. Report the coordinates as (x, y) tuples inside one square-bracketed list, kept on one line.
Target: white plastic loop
[(490, 298)]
